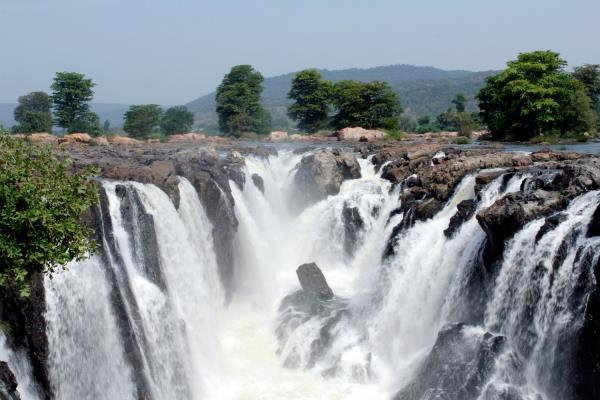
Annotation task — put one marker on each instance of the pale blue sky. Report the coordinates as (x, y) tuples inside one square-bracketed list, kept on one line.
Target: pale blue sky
[(172, 51)]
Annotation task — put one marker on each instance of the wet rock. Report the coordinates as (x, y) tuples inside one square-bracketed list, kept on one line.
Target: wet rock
[(258, 182), (509, 214), (457, 368), (465, 210), (353, 226), (25, 318), (485, 178), (594, 226), (321, 174), (551, 223), (550, 180), (8, 383), (139, 225), (313, 282)]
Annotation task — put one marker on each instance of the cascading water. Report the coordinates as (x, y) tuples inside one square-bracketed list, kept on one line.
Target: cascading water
[(147, 318)]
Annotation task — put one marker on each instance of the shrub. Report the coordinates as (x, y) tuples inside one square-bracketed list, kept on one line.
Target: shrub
[(41, 204)]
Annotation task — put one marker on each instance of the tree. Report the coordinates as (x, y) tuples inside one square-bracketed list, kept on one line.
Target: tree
[(407, 123), (589, 76), (312, 96), (238, 102), (33, 113), (176, 120), (448, 121), (106, 126), (88, 122), (368, 105), (40, 218), (465, 124), (460, 102), (424, 120), (71, 93), (142, 120), (531, 97)]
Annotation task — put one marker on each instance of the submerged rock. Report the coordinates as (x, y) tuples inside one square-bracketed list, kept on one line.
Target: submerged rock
[(321, 174), (8, 383)]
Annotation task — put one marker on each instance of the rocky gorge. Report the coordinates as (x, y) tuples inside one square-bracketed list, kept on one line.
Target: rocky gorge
[(426, 271)]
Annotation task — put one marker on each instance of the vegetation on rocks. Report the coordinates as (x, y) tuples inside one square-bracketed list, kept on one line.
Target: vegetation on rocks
[(41, 205), (142, 120)]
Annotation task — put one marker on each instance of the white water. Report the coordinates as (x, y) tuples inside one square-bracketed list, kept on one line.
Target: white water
[(19, 365), (196, 347)]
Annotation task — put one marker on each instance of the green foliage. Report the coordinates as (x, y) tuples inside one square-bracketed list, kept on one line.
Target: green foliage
[(312, 96), (176, 120), (106, 126), (71, 93), (238, 102), (534, 96), (465, 124), (142, 120), (589, 76), (33, 113), (368, 105), (88, 122), (407, 123), (393, 134), (424, 120), (448, 121), (461, 140), (460, 103), (40, 215)]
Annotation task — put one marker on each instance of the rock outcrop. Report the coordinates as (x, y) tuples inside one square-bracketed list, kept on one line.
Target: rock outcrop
[(464, 210), (321, 174), (458, 367), (359, 134), (353, 227)]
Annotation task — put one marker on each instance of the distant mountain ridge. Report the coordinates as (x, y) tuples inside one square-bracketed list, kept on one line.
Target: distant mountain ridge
[(422, 90)]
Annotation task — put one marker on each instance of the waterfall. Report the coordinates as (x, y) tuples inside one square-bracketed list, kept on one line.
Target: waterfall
[(147, 317), (19, 365), (171, 311)]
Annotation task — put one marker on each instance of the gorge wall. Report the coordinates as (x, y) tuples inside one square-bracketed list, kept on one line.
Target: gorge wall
[(425, 272)]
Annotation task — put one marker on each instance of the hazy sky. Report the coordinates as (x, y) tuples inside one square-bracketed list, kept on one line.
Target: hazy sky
[(172, 51)]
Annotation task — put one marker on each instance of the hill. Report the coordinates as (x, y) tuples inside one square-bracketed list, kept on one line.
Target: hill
[(422, 90)]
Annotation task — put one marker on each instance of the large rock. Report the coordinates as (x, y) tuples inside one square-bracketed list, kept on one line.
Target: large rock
[(464, 211), (510, 213), (313, 282), (353, 226), (278, 135), (360, 134), (458, 367), (42, 138), (8, 383), (321, 174), (187, 137), (82, 138), (125, 141)]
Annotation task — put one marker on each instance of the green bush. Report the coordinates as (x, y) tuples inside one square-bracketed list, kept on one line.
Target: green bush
[(461, 140), (41, 205)]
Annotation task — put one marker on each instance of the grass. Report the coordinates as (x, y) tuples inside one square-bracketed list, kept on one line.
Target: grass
[(461, 140), (393, 134)]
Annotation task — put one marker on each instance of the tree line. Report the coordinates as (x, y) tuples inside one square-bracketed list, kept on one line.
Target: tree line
[(318, 103), (69, 108)]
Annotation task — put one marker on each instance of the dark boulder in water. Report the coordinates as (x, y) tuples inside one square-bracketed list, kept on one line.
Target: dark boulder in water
[(353, 226), (258, 182), (551, 223), (458, 367), (594, 226), (465, 210), (8, 383), (313, 282)]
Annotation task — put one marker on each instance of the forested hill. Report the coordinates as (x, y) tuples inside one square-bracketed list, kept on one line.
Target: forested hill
[(422, 90)]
